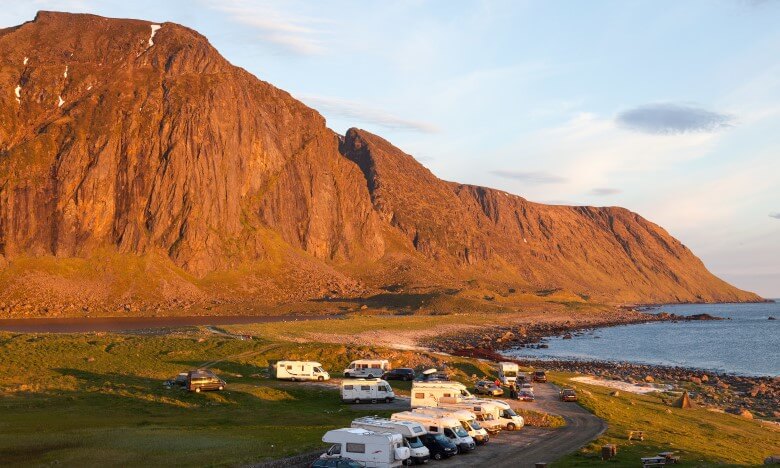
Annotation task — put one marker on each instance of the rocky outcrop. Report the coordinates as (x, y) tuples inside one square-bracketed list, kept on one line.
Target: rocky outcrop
[(125, 139)]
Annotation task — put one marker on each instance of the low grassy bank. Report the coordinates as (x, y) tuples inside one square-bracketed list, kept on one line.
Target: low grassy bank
[(699, 436)]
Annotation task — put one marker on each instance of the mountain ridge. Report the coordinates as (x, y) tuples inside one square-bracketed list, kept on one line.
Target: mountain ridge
[(121, 141)]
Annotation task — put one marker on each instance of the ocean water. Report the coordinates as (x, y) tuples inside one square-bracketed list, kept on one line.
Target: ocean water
[(748, 344)]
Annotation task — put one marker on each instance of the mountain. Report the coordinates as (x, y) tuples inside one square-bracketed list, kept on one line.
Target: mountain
[(138, 168)]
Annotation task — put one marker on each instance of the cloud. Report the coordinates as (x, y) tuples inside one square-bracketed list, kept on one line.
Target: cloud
[(775, 215), (363, 113), (672, 119), (534, 177), (604, 191), (290, 33)]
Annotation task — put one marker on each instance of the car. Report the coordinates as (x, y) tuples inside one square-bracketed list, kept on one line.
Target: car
[(568, 394), (524, 395), (439, 445), (540, 376), (201, 380), (526, 387), (181, 379), (402, 373), (486, 387), (335, 463)]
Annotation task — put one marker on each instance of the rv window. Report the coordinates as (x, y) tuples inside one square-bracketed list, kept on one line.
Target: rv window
[(384, 388), (348, 387), (447, 395), (418, 429), (365, 387), (419, 395), (356, 448), (449, 433), (289, 367), (433, 429)]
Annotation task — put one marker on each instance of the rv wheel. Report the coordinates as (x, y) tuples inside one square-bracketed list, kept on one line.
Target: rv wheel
[(357, 401), (510, 426), (370, 376), (373, 400), (320, 378), (407, 462), (197, 389), (437, 456), (221, 388), (457, 449), (388, 400)]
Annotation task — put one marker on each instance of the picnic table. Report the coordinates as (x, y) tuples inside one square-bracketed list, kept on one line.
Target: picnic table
[(647, 462)]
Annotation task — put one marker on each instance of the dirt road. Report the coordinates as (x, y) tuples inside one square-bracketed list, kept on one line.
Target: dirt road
[(531, 445)]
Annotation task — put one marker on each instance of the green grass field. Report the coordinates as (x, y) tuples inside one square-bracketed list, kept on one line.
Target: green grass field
[(95, 399)]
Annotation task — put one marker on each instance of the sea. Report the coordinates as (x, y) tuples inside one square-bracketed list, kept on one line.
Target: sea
[(748, 343)]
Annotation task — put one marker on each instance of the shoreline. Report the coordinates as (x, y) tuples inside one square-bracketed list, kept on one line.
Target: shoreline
[(747, 396)]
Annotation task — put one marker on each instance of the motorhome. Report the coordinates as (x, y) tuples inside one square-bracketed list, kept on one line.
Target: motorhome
[(300, 370), (507, 372), (484, 410), (366, 390), (501, 414), (372, 449), (467, 420), (367, 368), (450, 427), (430, 393), (411, 431)]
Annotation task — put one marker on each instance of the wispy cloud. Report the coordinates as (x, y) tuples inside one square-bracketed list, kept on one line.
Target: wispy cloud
[(775, 215), (672, 119), (291, 33), (533, 177), (604, 191), (364, 113)]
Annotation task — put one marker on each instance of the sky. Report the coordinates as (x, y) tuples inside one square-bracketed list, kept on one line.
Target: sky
[(668, 108)]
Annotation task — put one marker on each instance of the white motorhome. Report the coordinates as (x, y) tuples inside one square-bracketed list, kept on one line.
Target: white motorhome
[(491, 414), (372, 449), (507, 372), (430, 393), (411, 431), (450, 427), (364, 390), (467, 420), (300, 370), (369, 368)]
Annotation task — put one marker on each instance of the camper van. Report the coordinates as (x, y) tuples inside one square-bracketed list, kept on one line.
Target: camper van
[(491, 414), (411, 431), (431, 393), (300, 370), (367, 368), (507, 372), (372, 449), (450, 427), (365, 390), (466, 418)]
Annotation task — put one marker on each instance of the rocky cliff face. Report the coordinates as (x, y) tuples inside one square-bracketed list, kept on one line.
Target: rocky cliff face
[(129, 139)]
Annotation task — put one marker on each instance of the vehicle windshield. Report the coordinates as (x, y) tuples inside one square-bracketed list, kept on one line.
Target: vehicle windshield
[(466, 394), (568, 392), (460, 432), (509, 413), (510, 374), (475, 425), (415, 442), (489, 417), (319, 369), (442, 439)]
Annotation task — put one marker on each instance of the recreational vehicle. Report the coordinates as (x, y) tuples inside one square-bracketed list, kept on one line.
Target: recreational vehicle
[(369, 368), (372, 449), (365, 390), (300, 370), (430, 393), (507, 372), (467, 420), (502, 414), (411, 431), (450, 427)]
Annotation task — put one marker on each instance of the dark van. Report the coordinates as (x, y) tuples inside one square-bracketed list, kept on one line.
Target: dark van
[(198, 381), (439, 445)]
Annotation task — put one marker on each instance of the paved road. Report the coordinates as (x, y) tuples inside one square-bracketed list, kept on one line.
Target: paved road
[(531, 445)]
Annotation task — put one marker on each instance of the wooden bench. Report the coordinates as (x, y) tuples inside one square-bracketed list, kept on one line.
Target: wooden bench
[(640, 435), (647, 462)]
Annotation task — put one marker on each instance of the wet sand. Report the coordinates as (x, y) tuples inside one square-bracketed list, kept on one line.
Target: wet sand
[(112, 324)]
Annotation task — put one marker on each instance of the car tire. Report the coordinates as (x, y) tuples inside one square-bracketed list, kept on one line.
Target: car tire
[(221, 388), (437, 456), (510, 427), (388, 400), (347, 375), (370, 376), (373, 400), (407, 462), (357, 401), (321, 378), (457, 450), (197, 389)]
